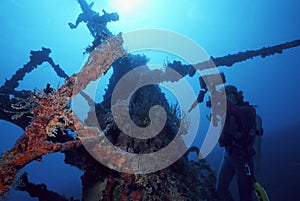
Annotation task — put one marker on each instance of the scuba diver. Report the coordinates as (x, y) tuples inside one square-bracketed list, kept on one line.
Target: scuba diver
[(237, 139), (241, 137), (241, 128), (96, 24)]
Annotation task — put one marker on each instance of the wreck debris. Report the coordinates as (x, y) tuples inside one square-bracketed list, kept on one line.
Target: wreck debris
[(36, 58), (228, 60), (97, 24), (39, 190), (51, 111)]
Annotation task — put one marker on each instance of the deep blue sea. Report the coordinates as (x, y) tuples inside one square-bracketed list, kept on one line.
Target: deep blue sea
[(219, 27)]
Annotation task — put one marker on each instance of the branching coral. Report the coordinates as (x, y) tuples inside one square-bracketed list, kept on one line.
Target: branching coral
[(52, 107), (58, 113)]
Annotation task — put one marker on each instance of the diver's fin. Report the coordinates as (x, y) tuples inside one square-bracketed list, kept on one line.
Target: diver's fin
[(260, 192)]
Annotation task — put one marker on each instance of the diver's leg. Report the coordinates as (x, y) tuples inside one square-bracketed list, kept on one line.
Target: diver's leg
[(225, 176), (245, 182)]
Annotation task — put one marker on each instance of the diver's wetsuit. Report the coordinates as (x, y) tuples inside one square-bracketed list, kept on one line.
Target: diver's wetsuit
[(236, 156)]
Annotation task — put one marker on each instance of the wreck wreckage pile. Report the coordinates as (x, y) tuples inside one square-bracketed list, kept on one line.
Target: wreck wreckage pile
[(51, 116)]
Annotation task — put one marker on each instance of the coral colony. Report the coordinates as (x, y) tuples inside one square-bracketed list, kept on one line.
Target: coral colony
[(46, 118)]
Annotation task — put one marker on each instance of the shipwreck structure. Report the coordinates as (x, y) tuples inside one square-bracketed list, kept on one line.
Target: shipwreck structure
[(46, 117)]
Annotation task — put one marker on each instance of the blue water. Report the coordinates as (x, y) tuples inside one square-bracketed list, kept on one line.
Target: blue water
[(220, 27)]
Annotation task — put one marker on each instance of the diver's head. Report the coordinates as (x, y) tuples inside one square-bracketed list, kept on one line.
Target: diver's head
[(235, 96)]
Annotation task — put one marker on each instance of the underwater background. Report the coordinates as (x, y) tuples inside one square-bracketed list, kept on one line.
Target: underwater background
[(219, 27)]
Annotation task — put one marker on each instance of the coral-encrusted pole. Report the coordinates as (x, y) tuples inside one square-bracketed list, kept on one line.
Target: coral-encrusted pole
[(99, 62), (51, 111)]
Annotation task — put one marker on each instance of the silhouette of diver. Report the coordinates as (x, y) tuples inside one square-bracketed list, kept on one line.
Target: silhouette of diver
[(95, 23)]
